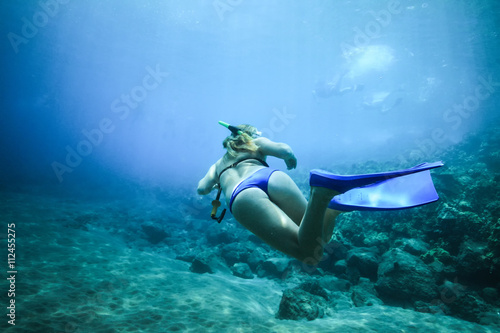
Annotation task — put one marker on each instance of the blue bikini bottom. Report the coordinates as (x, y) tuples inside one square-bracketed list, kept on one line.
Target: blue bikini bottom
[(259, 179)]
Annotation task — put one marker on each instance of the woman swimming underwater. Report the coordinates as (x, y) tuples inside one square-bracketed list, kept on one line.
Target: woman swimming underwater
[(267, 201)]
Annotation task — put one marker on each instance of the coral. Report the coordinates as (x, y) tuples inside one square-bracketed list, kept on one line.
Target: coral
[(364, 294), (274, 267), (437, 254), (413, 246), (469, 306), (154, 232), (494, 237), (403, 276), (299, 304), (366, 261), (242, 270)]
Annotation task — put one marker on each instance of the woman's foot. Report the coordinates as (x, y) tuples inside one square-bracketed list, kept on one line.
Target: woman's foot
[(323, 193), (341, 184)]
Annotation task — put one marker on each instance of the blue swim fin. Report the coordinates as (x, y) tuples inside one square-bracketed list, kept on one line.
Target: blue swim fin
[(344, 183), (402, 192)]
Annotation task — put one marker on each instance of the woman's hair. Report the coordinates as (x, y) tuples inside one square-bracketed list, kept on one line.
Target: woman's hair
[(241, 142)]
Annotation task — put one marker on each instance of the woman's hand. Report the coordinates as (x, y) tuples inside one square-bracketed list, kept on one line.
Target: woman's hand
[(291, 162), (208, 183)]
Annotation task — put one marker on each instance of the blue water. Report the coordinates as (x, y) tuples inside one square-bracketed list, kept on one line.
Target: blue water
[(241, 62), (100, 93)]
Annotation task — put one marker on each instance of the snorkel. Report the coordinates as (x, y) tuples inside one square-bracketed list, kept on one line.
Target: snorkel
[(232, 128), (215, 205)]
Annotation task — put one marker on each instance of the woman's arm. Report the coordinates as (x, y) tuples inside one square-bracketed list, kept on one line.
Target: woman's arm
[(206, 185), (276, 149)]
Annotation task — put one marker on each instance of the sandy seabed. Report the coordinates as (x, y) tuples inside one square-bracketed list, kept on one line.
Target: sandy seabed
[(89, 280)]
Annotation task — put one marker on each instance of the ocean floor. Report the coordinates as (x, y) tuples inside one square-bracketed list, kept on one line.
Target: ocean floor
[(88, 279)]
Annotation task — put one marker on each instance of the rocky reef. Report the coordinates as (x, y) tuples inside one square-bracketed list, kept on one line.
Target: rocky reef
[(441, 258)]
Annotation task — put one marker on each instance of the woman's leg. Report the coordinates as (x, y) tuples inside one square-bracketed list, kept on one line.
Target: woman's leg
[(253, 210), (289, 198), (312, 237), (268, 220), (329, 224)]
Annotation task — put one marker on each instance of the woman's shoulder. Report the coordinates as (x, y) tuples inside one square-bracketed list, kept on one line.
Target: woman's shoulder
[(224, 162), (261, 140), (265, 145)]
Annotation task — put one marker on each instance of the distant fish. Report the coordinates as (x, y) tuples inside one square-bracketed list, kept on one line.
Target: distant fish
[(326, 89), (384, 101), (334, 87)]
